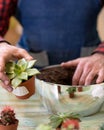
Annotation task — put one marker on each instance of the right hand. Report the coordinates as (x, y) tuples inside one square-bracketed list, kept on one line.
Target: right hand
[(9, 52)]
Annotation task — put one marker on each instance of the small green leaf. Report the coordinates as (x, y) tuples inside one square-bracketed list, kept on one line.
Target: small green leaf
[(71, 89), (55, 123), (31, 63), (23, 76), (16, 82), (11, 76), (32, 72), (23, 64), (17, 69)]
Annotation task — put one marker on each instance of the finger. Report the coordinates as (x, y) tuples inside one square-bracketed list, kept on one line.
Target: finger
[(4, 77), (5, 82), (85, 73), (6, 87), (21, 53), (70, 63), (100, 76), (90, 77), (2, 64), (77, 75)]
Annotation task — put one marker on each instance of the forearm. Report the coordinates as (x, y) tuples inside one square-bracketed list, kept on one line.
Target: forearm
[(7, 9)]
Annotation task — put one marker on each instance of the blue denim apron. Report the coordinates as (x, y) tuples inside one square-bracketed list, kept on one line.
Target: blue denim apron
[(60, 27)]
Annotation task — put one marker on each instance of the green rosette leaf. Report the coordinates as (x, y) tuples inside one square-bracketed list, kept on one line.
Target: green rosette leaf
[(23, 76), (31, 63), (10, 67), (32, 72), (22, 63), (16, 82)]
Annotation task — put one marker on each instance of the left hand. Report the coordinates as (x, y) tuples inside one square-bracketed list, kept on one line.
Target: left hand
[(86, 69)]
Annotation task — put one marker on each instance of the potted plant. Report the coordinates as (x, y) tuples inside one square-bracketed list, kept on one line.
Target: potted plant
[(61, 121), (65, 121), (71, 91), (21, 74), (8, 120)]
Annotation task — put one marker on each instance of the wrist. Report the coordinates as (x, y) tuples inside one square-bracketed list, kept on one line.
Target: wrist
[(99, 49)]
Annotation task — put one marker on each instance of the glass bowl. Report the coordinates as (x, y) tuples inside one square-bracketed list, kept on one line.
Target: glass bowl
[(52, 83)]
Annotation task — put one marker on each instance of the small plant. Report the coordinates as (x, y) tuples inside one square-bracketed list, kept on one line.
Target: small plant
[(20, 71), (7, 116), (71, 91), (62, 119)]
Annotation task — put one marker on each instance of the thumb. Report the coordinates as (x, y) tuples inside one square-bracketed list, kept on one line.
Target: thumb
[(2, 64)]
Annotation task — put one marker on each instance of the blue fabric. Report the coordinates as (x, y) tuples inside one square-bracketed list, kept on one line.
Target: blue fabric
[(61, 27)]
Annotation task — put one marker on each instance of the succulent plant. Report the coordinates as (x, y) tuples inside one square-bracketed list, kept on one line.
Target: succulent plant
[(20, 71), (56, 120), (71, 90), (7, 116)]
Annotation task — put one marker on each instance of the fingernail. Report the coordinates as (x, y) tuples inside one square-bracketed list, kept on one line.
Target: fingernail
[(62, 63), (9, 89), (6, 82)]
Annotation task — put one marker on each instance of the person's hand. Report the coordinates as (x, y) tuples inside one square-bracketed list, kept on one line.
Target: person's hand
[(87, 68), (9, 52)]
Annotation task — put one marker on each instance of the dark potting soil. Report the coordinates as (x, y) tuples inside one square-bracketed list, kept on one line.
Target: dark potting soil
[(58, 75)]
